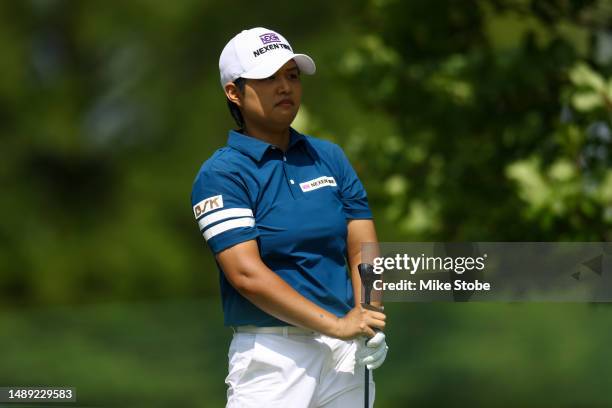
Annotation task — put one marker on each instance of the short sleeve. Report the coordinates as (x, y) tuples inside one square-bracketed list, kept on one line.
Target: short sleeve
[(354, 197), (222, 209)]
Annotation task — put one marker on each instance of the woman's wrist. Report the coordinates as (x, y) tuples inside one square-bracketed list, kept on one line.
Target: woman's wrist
[(331, 326)]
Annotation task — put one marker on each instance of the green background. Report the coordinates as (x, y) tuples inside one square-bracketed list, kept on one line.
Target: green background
[(466, 121)]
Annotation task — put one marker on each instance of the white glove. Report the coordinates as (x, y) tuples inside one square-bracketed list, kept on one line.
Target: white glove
[(374, 352)]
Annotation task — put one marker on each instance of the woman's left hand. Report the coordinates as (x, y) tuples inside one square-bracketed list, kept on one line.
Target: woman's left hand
[(373, 352)]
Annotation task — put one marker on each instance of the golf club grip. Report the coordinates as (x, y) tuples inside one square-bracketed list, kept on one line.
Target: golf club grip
[(372, 307), (366, 275)]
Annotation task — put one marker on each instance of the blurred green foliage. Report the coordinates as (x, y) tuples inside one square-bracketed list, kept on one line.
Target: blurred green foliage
[(467, 121), (499, 118)]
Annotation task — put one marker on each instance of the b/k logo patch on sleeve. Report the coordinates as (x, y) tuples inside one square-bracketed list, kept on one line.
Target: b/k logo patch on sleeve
[(207, 205)]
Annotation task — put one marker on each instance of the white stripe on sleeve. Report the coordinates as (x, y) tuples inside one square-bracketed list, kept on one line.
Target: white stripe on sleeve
[(228, 225), (223, 214)]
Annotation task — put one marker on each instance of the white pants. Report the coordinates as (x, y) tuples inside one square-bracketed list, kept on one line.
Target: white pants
[(294, 371)]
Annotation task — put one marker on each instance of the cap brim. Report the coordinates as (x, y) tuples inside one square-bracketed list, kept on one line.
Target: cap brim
[(268, 68)]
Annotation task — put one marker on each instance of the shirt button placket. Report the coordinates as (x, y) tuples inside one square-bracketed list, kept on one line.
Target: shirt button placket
[(295, 191)]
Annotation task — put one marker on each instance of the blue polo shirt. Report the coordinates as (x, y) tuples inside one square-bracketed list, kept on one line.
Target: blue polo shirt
[(295, 204)]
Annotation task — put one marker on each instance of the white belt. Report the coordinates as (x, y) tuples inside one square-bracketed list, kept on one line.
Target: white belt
[(284, 330)]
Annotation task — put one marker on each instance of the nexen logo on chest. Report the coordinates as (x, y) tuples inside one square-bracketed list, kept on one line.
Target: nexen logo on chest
[(207, 205), (318, 183)]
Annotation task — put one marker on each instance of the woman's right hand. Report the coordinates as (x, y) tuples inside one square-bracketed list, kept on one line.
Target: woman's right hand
[(360, 322)]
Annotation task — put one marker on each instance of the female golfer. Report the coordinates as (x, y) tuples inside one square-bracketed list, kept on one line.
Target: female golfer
[(283, 213)]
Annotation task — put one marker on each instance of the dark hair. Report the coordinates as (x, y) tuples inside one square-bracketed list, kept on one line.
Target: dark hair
[(233, 108)]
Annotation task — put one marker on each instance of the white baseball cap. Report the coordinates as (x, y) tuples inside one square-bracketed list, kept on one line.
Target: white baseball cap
[(258, 53)]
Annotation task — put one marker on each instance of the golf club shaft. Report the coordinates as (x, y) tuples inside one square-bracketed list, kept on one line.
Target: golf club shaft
[(366, 394)]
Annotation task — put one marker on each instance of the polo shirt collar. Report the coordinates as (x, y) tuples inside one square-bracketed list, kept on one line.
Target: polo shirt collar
[(248, 145), (295, 137), (256, 148)]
